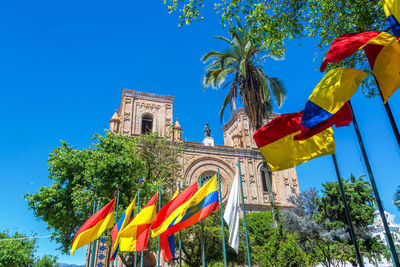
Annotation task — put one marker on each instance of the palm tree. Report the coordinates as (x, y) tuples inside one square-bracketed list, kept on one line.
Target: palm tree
[(397, 198), (239, 68)]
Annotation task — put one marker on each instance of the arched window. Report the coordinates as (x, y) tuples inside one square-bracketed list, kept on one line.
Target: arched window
[(147, 124), (264, 181), (207, 175)]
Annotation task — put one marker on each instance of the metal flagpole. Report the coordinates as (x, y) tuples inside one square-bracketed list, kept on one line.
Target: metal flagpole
[(347, 211), (389, 237), (244, 215), (390, 115), (222, 216), (180, 234), (94, 243), (91, 244), (203, 251), (116, 220), (138, 209), (159, 207)]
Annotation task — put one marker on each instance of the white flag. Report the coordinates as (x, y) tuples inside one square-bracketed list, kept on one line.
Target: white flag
[(231, 215)]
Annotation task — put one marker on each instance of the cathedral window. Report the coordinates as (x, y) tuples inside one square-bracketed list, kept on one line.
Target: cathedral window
[(264, 181), (207, 175), (147, 124)]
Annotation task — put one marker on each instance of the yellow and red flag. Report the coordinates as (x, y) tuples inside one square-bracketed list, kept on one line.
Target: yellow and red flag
[(94, 226), (382, 50), (276, 144), (135, 236)]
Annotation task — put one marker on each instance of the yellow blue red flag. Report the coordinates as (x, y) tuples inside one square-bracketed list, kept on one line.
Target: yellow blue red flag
[(327, 99), (392, 11), (198, 207), (125, 219)]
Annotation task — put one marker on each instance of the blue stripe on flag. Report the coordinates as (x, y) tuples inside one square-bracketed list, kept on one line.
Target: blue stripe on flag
[(314, 115)]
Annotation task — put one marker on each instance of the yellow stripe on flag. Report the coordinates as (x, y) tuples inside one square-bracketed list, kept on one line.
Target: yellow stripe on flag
[(287, 153), (336, 88), (92, 233), (128, 236)]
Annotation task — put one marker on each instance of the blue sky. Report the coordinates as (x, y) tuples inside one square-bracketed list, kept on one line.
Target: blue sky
[(63, 65)]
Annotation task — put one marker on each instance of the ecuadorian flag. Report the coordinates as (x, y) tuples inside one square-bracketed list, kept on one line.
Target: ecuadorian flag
[(328, 98), (392, 11), (94, 226), (126, 218), (196, 209)]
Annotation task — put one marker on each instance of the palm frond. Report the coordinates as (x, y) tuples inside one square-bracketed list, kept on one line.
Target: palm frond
[(210, 54), (224, 39), (227, 100), (278, 90)]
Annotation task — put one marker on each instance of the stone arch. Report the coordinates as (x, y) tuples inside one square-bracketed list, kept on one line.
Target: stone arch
[(153, 123), (205, 164)]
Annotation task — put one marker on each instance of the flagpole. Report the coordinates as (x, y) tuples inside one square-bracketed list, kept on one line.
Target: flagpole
[(244, 215), (347, 211), (180, 234), (91, 244), (159, 207), (94, 243), (389, 115), (389, 237), (116, 220), (222, 216), (138, 209), (203, 253)]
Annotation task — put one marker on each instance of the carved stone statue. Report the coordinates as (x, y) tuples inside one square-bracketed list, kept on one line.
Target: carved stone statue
[(207, 130)]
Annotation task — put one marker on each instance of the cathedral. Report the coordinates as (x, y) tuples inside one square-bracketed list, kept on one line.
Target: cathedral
[(141, 113)]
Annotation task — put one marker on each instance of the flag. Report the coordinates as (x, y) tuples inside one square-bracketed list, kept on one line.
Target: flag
[(200, 206), (126, 218), (341, 118), (383, 53), (328, 97), (385, 65), (165, 212), (231, 215), (167, 243), (135, 236), (392, 11), (94, 226), (276, 144)]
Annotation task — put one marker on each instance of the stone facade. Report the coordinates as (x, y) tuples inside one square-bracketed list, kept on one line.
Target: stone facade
[(140, 112)]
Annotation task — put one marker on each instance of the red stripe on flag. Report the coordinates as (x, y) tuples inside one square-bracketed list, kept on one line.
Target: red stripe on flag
[(278, 128), (173, 205), (98, 216)]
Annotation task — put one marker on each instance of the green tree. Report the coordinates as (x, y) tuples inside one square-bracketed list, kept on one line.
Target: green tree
[(18, 250), (112, 163), (277, 21), (269, 246), (397, 198), (362, 211), (46, 261), (239, 68)]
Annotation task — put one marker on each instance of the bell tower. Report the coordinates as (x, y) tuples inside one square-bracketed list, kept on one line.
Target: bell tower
[(141, 113)]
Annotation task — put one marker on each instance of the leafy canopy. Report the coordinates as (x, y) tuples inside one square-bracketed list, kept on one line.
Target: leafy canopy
[(276, 21), (241, 64), (112, 163), (18, 252)]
